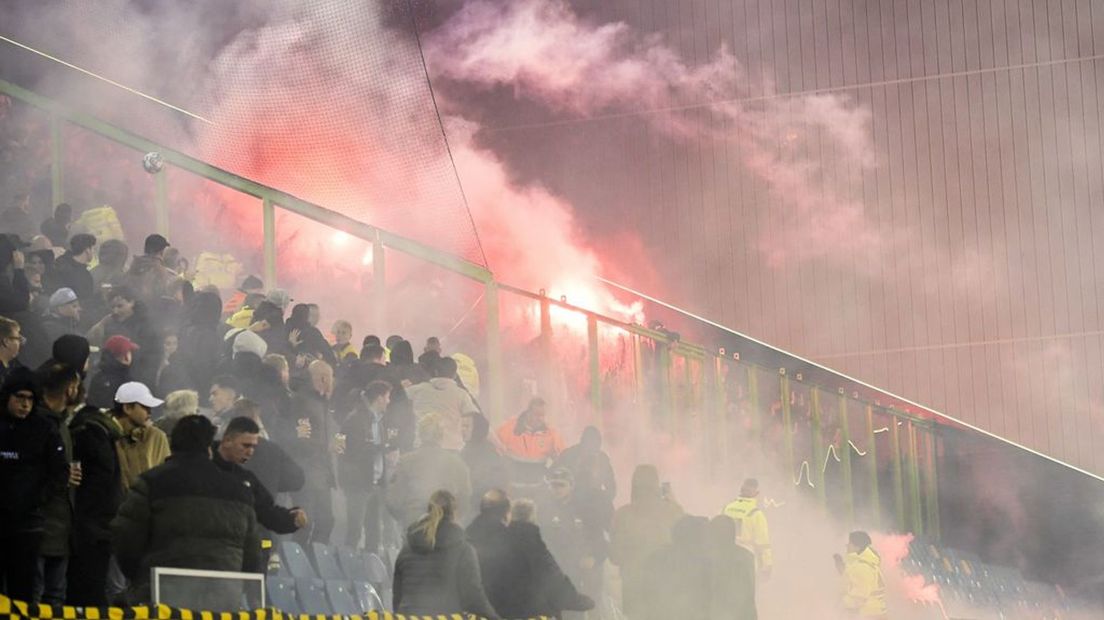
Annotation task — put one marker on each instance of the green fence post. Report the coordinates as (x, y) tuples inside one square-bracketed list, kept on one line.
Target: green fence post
[(663, 379), (845, 458), (595, 367), (269, 232), (787, 420), (898, 477), (379, 283), (934, 531), (872, 456), (57, 187), (820, 457), (161, 200), (495, 375), (916, 510)]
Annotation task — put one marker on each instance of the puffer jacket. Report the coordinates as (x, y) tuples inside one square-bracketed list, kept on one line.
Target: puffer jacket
[(422, 472), (32, 461), (447, 399), (439, 579), (187, 513), (100, 493), (864, 588)]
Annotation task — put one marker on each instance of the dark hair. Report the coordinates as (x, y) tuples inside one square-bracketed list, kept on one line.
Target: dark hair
[(204, 310), (113, 253), (268, 311), (81, 242), (63, 209), (376, 389), (122, 291), (241, 425), (251, 283), (860, 539), (393, 340), (57, 378), (372, 352), (230, 382), (252, 300), (192, 434), (154, 244), (72, 350), (495, 504), (445, 367), (428, 359), (300, 315), (433, 340), (371, 340)]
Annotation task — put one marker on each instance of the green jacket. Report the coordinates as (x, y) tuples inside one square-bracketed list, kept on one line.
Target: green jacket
[(186, 513), (59, 506)]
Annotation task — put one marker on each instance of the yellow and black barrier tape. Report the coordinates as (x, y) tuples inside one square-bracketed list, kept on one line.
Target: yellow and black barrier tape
[(18, 610)]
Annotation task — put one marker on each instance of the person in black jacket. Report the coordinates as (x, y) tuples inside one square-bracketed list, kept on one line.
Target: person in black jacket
[(574, 531), (731, 572), (238, 444), (32, 462), (309, 445), (71, 268), (272, 466), (488, 469), (96, 501), (362, 465), (114, 370), (188, 513), (437, 571), (129, 318), (487, 533), (538, 587), (200, 342), (678, 575)]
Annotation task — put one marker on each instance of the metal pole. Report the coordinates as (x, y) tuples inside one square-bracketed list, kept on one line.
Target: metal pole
[(269, 231), (898, 477), (933, 486), (872, 458), (161, 180), (663, 381), (496, 377), (57, 187), (595, 368), (819, 456), (916, 512), (753, 402), (845, 457), (546, 380), (787, 421), (379, 283)]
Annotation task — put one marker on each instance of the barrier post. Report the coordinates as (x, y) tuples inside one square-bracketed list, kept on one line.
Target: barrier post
[(820, 457), (933, 486), (845, 458), (916, 510), (57, 188), (269, 231), (898, 477), (787, 421), (595, 368), (495, 376), (872, 455), (161, 200), (379, 283)]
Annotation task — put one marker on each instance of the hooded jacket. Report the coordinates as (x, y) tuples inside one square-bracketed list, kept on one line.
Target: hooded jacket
[(32, 464), (753, 529), (439, 579), (444, 397), (864, 587)]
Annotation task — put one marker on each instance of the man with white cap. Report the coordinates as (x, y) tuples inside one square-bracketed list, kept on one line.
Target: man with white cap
[(64, 315), (143, 445)]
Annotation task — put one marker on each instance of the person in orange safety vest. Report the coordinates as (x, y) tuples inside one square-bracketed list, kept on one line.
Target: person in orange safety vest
[(529, 442)]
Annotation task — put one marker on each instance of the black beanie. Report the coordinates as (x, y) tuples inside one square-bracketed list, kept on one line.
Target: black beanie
[(73, 351)]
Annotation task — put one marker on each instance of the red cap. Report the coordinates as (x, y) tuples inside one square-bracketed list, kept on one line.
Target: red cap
[(119, 346)]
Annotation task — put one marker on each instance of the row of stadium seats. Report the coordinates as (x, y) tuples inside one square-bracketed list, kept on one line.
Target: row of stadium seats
[(317, 596), (330, 580)]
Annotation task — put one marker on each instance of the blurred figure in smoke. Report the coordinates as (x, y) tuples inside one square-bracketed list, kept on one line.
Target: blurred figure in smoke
[(428, 468), (305, 339), (489, 469), (128, 317), (362, 465), (530, 443), (71, 269), (641, 528), (591, 467), (56, 227), (731, 572), (432, 345), (148, 276), (678, 574), (110, 263), (487, 533), (200, 341), (574, 530), (251, 285), (537, 585), (310, 447), (753, 530), (444, 396), (864, 593), (343, 347)]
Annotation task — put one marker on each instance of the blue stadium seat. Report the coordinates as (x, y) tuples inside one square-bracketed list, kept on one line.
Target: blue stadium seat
[(296, 560), (342, 600), (353, 563), (312, 596), (377, 570), (325, 560), (281, 594), (367, 597)]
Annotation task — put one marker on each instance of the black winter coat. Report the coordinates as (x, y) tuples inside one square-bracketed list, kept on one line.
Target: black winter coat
[(111, 374), (68, 273), (269, 515), (537, 587), (275, 469), (100, 493), (489, 538), (312, 453), (439, 579), (186, 513), (32, 463)]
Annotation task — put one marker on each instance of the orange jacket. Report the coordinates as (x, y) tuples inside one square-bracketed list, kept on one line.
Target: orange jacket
[(530, 446)]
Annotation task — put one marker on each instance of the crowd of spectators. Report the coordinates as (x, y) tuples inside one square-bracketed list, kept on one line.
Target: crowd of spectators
[(146, 423)]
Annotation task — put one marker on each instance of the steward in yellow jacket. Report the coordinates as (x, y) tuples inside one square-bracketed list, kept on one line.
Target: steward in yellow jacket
[(863, 586), (754, 533)]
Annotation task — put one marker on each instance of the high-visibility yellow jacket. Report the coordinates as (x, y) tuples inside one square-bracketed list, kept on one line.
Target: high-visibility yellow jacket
[(864, 588), (753, 530)]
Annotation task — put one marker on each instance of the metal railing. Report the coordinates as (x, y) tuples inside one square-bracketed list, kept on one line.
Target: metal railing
[(677, 376)]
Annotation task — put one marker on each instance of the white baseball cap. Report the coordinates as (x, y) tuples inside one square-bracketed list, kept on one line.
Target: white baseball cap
[(136, 392)]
